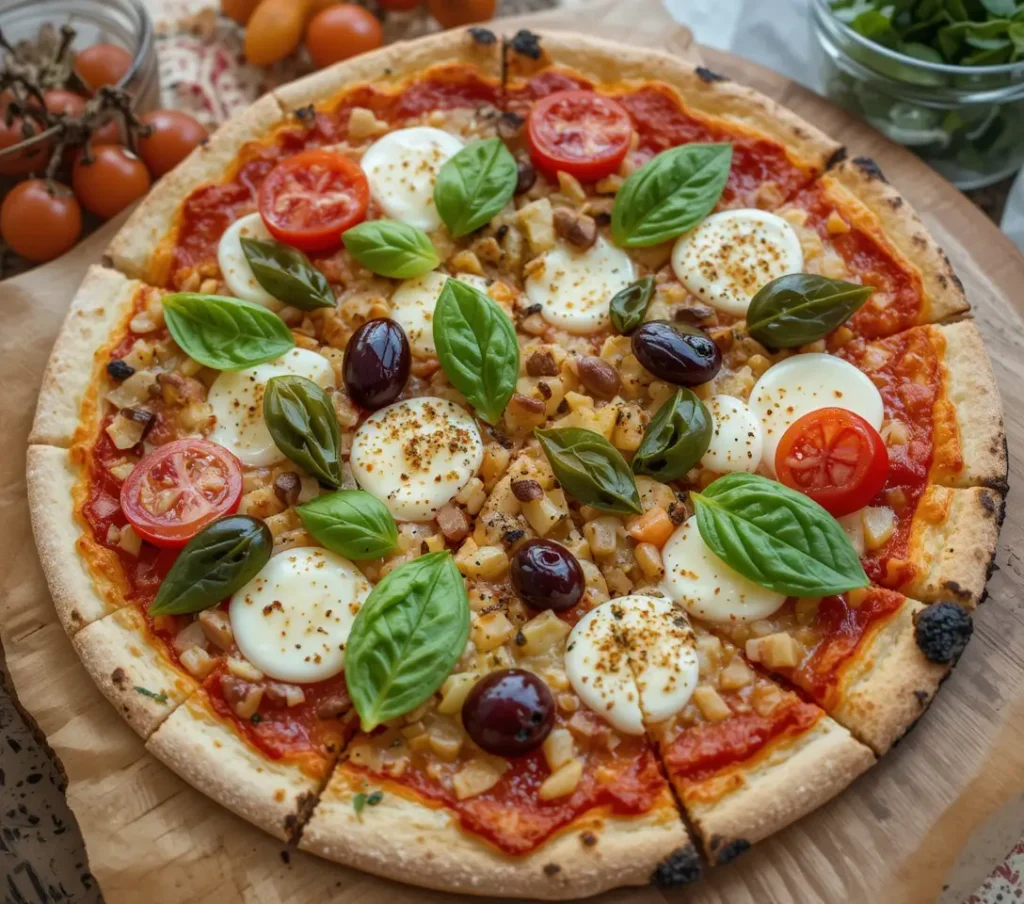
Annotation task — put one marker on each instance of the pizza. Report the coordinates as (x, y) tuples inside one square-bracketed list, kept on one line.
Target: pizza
[(523, 466)]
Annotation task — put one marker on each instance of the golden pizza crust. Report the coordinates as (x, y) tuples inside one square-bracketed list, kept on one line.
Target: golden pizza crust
[(401, 837), (131, 669), (789, 779), (888, 684), (101, 304), (212, 757)]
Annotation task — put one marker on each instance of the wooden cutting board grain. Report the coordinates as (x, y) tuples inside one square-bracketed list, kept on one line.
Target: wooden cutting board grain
[(895, 835)]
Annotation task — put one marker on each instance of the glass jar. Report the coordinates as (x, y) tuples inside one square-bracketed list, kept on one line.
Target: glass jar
[(122, 22), (965, 121)]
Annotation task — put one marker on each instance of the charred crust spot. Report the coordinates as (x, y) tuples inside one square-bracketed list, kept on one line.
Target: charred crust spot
[(942, 631), (708, 76), (922, 697), (552, 869), (836, 157), (954, 588), (989, 504), (723, 851), (588, 838), (295, 822), (118, 677), (483, 36), (286, 857), (918, 240), (895, 202), (306, 115), (532, 309), (681, 867), (527, 43), (942, 280), (869, 168), (119, 370), (513, 535)]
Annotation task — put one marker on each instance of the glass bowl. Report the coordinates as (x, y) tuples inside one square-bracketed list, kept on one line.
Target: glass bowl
[(122, 22), (965, 121)]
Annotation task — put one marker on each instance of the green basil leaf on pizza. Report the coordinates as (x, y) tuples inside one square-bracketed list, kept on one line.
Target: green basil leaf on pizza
[(390, 248), (303, 425), (474, 186), (799, 308), (287, 274), (676, 438), (225, 333), (477, 347), (670, 194), (628, 306), (352, 523), (218, 561), (591, 469), (776, 537), (406, 639)]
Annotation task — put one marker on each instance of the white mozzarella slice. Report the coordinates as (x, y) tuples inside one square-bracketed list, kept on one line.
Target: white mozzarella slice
[(735, 436), (402, 168), (708, 588), (416, 455), (619, 685), (292, 620), (805, 383), (233, 264), (412, 306), (236, 397), (573, 288), (729, 257)]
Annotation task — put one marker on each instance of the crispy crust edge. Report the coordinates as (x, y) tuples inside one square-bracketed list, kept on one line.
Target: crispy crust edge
[(701, 90), (403, 838)]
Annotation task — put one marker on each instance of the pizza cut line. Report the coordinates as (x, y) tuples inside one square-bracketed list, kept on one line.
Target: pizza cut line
[(612, 495)]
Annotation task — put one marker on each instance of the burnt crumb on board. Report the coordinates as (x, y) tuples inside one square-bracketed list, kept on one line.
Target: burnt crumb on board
[(526, 43), (483, 36), (681, 867), (552, 869), (729, 850), (942, 631), (708, 76)]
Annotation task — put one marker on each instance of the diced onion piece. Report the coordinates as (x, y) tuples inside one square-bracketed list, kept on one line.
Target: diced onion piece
[(712, 707), (562, 782), (479, 775), (542, 632), (197, 662), (190, 636), (240, 668), (558, 747), (454, 692), (776, 651), (879, 524)]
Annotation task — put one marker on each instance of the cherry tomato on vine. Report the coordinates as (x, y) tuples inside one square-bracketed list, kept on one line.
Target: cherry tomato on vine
[(310, 199), (40, 220), (342, 31), (452, 13), (108, 181), (202, 481), (579, 132), (102, 64), (58, 100), (172, 137), (835, 457)]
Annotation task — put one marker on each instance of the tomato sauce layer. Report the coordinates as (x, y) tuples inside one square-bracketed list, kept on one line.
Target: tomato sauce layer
[(209, 210), (899, 299), (705, 749), (511, 814), (662, 123)]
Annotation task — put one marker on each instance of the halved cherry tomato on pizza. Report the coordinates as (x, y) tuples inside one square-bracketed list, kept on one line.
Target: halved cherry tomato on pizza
[(310, 199), (579, 132), (835, 457), (179, 488)]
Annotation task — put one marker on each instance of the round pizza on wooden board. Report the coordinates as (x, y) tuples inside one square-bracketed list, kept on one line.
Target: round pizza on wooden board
[(519, 466)]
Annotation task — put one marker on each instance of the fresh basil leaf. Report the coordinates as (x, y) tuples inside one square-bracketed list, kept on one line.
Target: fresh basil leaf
[(225, 333), (676, 438), (287, 274), (303, 425), (477, 347), (801, 307), (777, 537), (1000, 8), (628, 306), (351, 523), (406, 639), (475, 185), (217, 562), (391, 248), (590, 469), (670, 194)]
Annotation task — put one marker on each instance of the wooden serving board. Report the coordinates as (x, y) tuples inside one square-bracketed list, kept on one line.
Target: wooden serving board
[(937, 812)]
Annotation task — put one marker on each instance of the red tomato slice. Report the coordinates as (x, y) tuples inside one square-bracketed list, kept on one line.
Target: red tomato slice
[(579, 132), (309, 200), (179, 488), (835, 457)]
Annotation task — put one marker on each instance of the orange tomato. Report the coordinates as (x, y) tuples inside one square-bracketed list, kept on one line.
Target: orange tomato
[(452, 13), (40, 220), (340, 32), (102, 64), (274, 31), (110, 181), (172, 137)]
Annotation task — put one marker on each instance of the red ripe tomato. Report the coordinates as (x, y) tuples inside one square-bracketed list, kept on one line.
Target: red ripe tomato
[(342, 31), (40, 220), (110, 180), (172, 137), (310, 199), (58, 100), (580, 133), (102, 64), (179, 488), (835, 457), (16, 131)]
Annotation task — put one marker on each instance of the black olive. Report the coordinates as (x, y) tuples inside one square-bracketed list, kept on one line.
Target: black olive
[(677, 352), (547, 576), (377, 361), (509, 712)]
